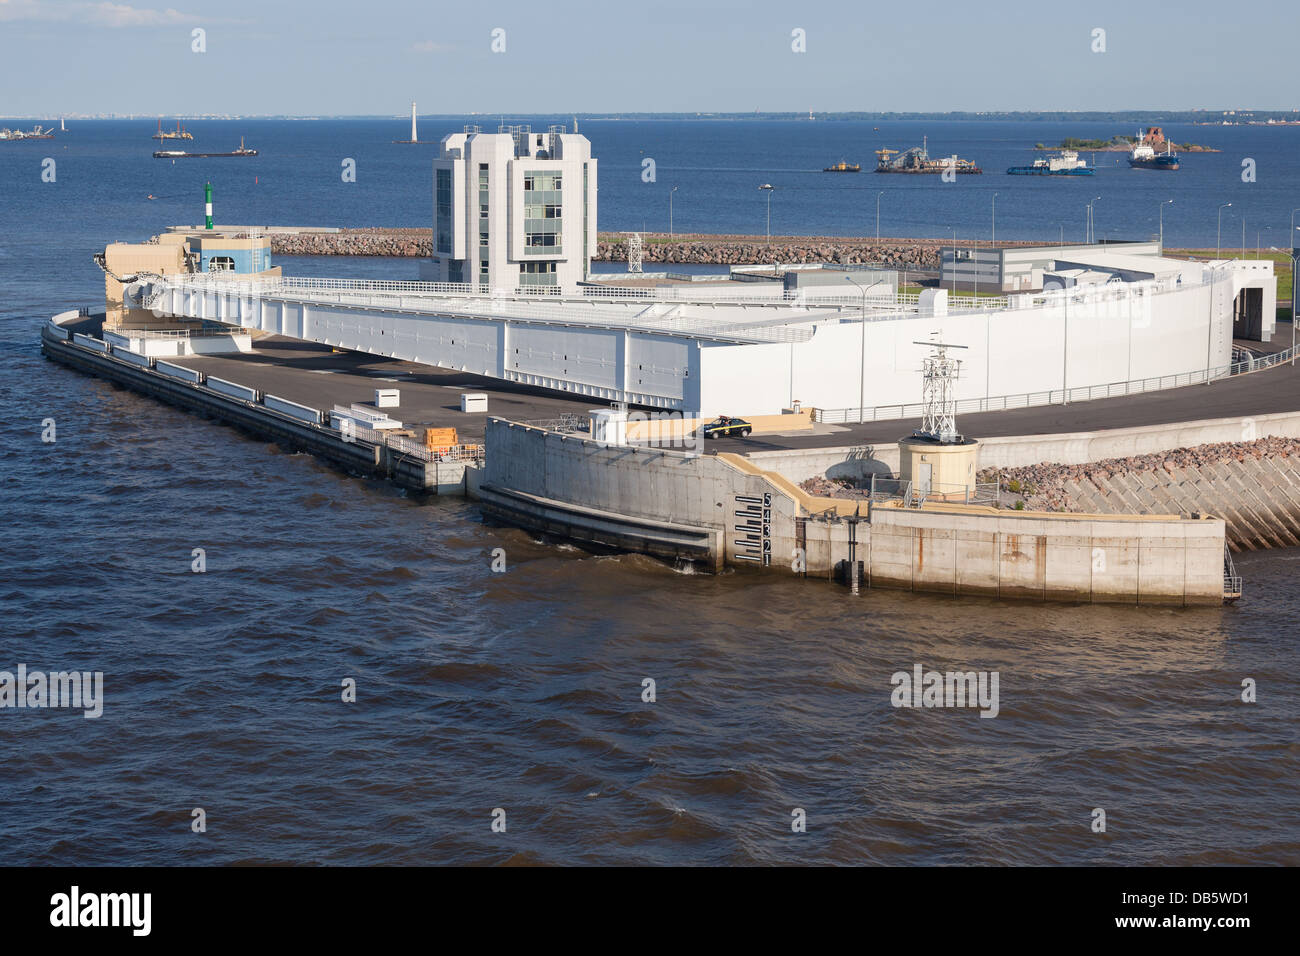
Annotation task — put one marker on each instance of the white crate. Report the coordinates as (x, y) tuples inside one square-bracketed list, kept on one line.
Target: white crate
[(387, 398), (473, 402)]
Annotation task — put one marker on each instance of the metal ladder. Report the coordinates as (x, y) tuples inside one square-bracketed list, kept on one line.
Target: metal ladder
[(1231, 579)]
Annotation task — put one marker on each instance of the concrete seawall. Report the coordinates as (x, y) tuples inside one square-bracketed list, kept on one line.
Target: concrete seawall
[(730, 511), (759, 519), (1254, 485), (355, 456), (858, 462)]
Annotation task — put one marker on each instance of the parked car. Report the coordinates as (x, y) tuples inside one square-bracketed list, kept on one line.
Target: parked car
[(725, 426)]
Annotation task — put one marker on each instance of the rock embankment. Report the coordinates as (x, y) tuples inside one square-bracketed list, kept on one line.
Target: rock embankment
[(832, 488), (1043, 486), (414, 243), (919, 254)]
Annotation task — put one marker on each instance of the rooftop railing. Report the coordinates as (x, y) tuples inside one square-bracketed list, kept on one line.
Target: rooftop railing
[(629, 307)]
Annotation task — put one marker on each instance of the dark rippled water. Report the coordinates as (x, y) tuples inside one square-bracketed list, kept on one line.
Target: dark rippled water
[(523, 690)]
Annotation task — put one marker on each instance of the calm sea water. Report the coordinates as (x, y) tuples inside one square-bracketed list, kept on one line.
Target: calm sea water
[(522, 690)]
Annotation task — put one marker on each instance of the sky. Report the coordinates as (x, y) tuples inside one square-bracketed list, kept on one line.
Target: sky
[(372, 57)]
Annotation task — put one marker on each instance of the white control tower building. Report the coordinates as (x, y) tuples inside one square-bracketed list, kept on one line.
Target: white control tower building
[(513, 209)]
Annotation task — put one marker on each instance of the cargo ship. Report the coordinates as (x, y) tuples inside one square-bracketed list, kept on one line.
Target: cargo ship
[(181, 154), (843, 167), (1144, 155), (178, 133), (917, 160), (1064, 163)]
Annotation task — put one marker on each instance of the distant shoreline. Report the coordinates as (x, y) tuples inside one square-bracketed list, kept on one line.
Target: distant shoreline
[(1154, 117)]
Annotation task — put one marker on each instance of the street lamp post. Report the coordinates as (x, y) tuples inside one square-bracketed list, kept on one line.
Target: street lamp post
[(993, 243), (1295, 261), (954, 261), (1163, 203), (768, 187), (1092, 228), (1218, 241), (670, 211), (862, 358), (878, 195)]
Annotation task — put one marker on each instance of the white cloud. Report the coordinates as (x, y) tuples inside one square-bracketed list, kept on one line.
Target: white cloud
[(432, 46), (103, 14)]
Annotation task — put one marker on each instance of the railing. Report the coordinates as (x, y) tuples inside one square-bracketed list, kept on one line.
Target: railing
[(880, 307), (914, 495), (1231, 579), (414, 449), (539, 308), (567, 423), (1084, 393), (172, 333)]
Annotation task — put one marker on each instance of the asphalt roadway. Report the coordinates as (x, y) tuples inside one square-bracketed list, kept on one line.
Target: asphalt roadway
[(1255, 393), (316, 376)]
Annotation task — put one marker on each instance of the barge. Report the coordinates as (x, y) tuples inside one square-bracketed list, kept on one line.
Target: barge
[(917, 161), (182, 154)]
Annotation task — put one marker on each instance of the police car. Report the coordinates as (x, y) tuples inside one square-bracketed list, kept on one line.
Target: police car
[(726, 427)]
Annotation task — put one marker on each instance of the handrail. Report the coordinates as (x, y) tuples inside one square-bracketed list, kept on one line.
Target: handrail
[(849, 303)]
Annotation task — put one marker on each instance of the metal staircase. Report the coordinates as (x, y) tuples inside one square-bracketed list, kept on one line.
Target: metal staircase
[(1231, 579)]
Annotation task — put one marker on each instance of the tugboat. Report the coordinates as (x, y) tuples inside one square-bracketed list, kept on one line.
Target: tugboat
[(1144, 155), (1064, 163), (843, 167)]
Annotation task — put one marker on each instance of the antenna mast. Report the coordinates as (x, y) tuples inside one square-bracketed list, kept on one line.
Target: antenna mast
[(939, 393), (634, 252)]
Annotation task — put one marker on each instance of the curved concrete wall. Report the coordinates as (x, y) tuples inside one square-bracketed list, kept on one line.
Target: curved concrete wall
[(643, 500)]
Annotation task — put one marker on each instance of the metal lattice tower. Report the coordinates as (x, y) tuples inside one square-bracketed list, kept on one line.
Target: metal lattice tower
[(634, 252), (939, 392)]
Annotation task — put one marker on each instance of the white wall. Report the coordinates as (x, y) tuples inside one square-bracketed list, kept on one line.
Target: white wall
[(1254, 274), (1113, 337), (1115, 334)]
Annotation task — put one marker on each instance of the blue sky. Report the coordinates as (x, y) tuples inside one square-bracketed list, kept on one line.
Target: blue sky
[(562, 56)]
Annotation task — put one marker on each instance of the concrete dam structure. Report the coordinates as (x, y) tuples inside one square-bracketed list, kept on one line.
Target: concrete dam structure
[(723, 510)]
